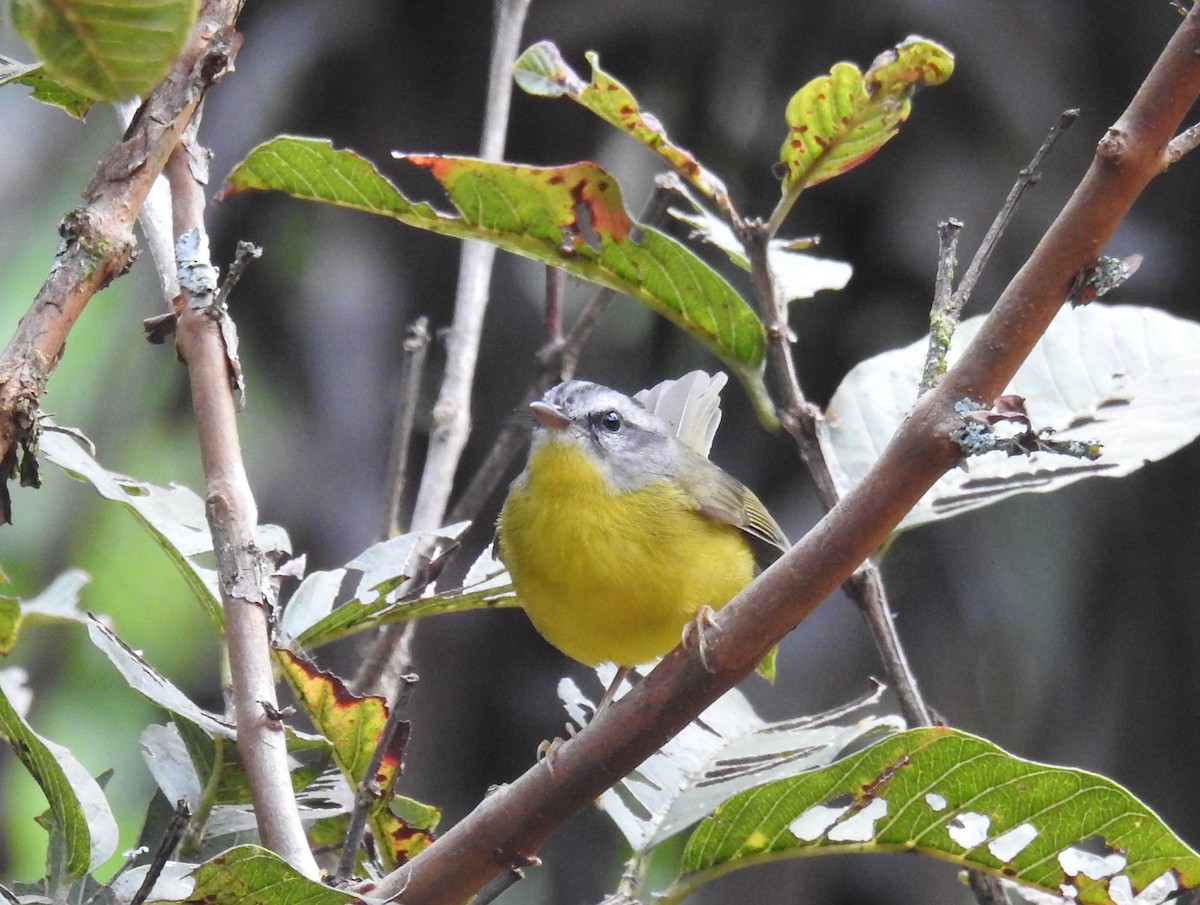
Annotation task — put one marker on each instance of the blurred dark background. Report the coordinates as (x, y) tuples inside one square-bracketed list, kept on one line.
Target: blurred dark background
[(1063, 627)]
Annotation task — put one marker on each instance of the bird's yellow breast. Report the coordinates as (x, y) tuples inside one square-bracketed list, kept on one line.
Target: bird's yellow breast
[(613, 576)]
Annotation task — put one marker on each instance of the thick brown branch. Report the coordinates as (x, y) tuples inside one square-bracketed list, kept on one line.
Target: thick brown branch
[(513, 822), (98, 243)]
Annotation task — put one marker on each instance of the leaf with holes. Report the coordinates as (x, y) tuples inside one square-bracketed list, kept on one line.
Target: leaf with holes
[(953, 796), (725, 750), (541, 70), (570, 216), (108, 51), (837, 121)]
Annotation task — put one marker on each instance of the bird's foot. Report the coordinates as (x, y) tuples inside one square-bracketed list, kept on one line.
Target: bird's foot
[(693, 633)]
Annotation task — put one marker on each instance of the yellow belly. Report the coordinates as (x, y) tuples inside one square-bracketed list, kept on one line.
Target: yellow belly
[(613, 576)]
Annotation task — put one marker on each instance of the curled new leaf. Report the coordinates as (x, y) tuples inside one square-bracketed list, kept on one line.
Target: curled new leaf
[(837, 121), (541, 70)]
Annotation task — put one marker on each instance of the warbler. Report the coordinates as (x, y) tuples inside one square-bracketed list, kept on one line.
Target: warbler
[(620, 531)]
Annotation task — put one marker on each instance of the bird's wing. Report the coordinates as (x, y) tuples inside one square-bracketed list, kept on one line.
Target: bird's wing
[(719, 495)]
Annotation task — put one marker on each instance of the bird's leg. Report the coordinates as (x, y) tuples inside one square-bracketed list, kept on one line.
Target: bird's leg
[(693, 632), (610, 693), (549, 748)]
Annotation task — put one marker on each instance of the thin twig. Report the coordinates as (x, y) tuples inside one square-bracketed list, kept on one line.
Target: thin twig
[(944, 313), (368, 791), (412, 369), (203, 338), (1181, 144), (556, 283), (799, 418), (1026, 178), (556, 362), (243, 256), (166, 847), (452, 411), (97, 238), (501, 883)]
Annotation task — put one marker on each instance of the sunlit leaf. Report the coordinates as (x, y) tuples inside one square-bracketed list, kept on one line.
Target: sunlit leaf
[(150, 683), (1121, 375), (837, 121), (109, 51), (541, 70), (727, 749), (45, 89), (571, 217), (84, 824), (944, 793), (59, 602)]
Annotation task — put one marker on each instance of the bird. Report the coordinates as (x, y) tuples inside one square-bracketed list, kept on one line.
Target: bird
[(620, 536)]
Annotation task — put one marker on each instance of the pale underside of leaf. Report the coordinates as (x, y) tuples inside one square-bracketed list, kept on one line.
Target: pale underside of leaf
[(1126, 376)]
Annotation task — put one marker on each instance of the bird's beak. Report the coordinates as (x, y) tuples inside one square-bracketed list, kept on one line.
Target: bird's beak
[(551, 416)]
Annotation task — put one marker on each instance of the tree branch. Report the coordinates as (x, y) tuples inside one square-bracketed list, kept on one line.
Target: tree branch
[(204, 342), (97, 238), (513, 822), (452, 411)]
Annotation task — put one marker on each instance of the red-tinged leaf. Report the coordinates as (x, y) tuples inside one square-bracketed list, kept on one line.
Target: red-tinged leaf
[(352, 723), (570, 216), (837, 121), (541, 70)]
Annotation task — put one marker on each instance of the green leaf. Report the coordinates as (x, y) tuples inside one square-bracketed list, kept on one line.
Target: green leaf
[(485, 586), (108, 51), (84, 823), (953, 796), (45, 89), (541, 70), (1118, 374), (249, 873), (571, 217), (837, 121)]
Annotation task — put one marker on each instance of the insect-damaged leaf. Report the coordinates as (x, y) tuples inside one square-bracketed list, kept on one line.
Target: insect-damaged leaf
[(837, 121), (541, 70), (945, 793), (353, 724), (569, 216)]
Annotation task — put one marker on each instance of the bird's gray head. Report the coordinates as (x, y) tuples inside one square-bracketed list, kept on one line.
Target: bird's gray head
[(630, 445)]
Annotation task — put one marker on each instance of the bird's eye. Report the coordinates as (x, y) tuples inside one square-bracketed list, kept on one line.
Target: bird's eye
[(611, 421)]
